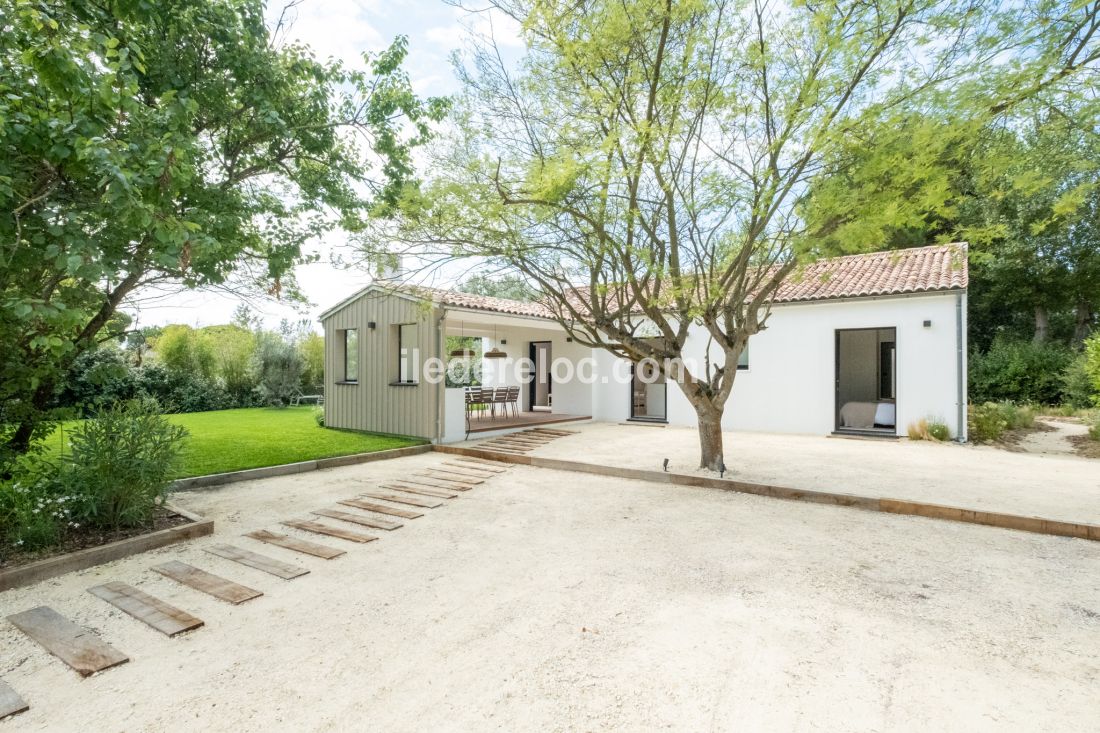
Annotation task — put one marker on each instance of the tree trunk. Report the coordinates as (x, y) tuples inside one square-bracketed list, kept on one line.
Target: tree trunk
[(711, 456), (1083, 323), (1042, 325)]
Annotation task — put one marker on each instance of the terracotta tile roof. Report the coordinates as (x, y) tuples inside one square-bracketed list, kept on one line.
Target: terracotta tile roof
[(914, 270), (895, 272), (459, 299)]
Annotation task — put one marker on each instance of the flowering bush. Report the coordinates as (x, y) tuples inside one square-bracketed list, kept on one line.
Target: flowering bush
[(34, 510)]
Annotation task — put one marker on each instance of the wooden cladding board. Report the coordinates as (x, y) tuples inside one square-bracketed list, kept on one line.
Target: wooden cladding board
[(165, 618), (422, 491), (75, 646), (401, 499), (371, 506), (293, 543), (208, 583), (357, 519), (278, 568), (324, 529), (10, 702)]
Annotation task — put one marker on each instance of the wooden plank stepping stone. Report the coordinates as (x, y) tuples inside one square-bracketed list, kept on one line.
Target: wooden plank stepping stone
[(400, 499), (452, 477), (10, 702), (439, 482), (324, 529), (460, 475), (380, 508), (74, 645), (165, 618), (439, 493), (357, 519), (508, 447), (284, 570), (556, 432), (208, 583), (475, 465), (293, 543)]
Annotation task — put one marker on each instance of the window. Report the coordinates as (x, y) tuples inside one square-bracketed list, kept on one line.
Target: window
[(407, 351), (743, 359), (887, 370), (350, 343)]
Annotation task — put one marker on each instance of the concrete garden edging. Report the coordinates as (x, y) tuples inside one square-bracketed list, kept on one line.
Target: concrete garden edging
[(1040, 525), (51, 567), (287, 469)]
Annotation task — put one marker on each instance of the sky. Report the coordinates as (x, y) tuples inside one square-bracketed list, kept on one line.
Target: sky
[(344, 29)]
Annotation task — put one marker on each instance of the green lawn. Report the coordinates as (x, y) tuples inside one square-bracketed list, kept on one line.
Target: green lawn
[(232, 440)]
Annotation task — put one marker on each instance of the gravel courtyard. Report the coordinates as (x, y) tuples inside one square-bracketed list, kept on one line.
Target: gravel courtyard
[(545, 600)]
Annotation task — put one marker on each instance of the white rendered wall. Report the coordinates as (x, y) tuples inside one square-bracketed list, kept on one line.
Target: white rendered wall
[(789, 386)]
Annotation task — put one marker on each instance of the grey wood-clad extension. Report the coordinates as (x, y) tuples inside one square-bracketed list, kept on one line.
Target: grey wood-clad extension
[(375, 401)]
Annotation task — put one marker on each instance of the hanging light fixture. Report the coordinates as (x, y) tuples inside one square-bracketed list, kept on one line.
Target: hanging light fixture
[(463, 352), (495, 352)]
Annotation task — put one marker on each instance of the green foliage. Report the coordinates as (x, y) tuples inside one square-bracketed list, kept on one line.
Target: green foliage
[(319, 416), (1078, 389), (1017, 417), (511, 287), (277, 365), (1092, 365), (35, 511), (120, 464), (180, 391), (312, 350), (97, 378), (1019, 371), (183, 349), (174, 142), (986, 422), (929, 429)]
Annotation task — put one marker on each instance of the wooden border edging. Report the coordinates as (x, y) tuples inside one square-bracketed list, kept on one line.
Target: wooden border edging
[(1059, 528), (51, 567), (286, 469)]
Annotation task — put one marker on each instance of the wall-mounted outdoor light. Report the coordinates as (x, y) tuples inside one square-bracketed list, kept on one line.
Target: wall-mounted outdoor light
[(371, 325), (928, 324)]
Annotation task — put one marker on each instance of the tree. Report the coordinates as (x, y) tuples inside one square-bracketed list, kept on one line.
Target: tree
[(175, 142), (312, 348), (277, 365), (498, 285), (646, 165), (181, 348)]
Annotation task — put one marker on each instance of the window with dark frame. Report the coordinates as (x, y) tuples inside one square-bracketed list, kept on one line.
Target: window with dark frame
[(886, 370), (407, 343), (351, 355)]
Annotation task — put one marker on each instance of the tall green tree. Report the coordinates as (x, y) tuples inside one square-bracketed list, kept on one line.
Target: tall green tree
[(646, 163), (175, 142)]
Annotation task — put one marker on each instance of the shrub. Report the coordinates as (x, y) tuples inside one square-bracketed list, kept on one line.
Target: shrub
[(1078, 390), (987, 422), (181, 391), (98, 378), (34, 510), (319, 416), (1020, 372), (1017, 416), (1091, 357), (278, 370), (929, 429), (120, 464)]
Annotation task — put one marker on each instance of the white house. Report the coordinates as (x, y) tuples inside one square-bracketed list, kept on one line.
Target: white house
[(861, 344)]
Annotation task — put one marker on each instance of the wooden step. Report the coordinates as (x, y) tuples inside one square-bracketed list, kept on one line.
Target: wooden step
[(164, 617), (470, 468), (370, 506), (434, 476), (281, 569), (422, 491), (293, 543), (357, 519), (434, 482), (208, 583), (10, 702), (477, 465), (483, 462), (401, 499), (324, 529), (75, 646), (458, 476)]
